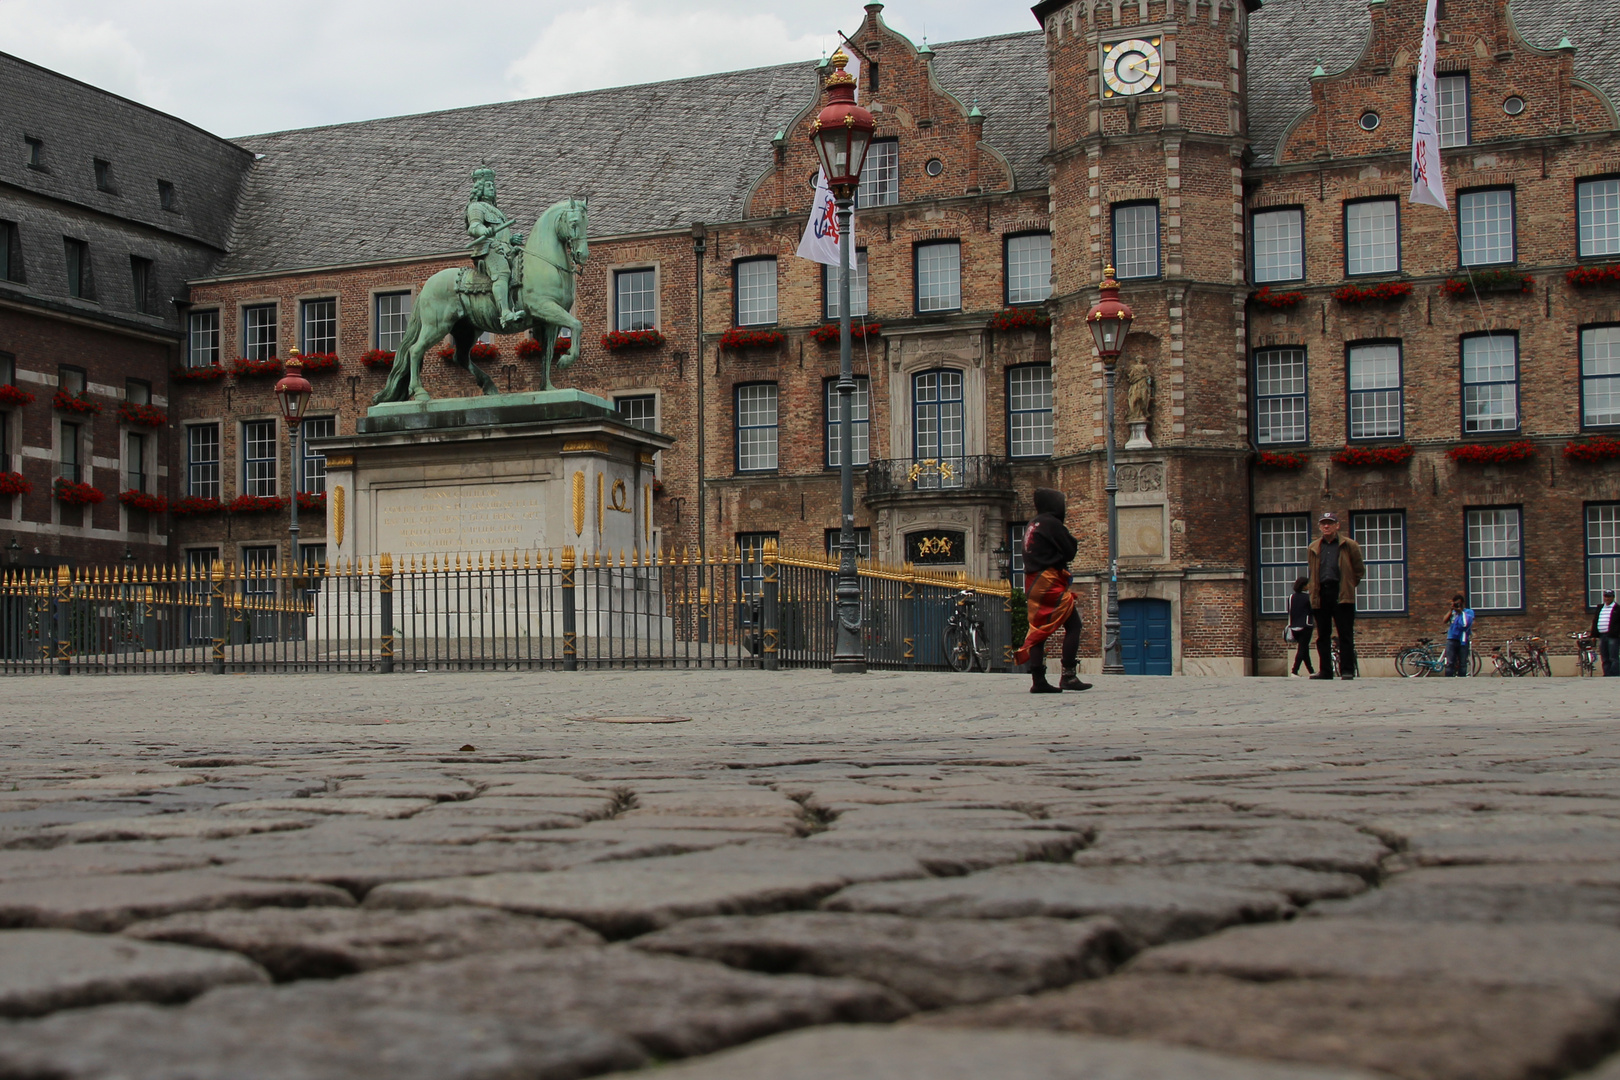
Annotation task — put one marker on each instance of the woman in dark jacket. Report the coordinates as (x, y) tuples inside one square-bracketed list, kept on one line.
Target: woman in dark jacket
[(1048, 547), (1299, 625)]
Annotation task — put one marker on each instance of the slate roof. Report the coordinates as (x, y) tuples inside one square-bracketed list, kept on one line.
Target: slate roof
[(395, 187)]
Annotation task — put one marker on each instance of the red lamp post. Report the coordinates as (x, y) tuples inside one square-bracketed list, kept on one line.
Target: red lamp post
[(1110, 320), (293, 392), (841, 135)]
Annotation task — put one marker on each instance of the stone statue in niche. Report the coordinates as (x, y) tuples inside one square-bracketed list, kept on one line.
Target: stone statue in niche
[(1138, 405)]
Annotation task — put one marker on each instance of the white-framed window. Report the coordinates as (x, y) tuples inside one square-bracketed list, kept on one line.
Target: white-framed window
[(202, 339), (1283, 540), (1382, 537), (635, 299), (939, 276), (70, 463), (1372, 237), (1280, 399), (756, 292), (259, 332), (259, 457), (756, 427), (857, 287), (318, 326), (1602, 550), (751, 562), (1451, 109), (1495, 559), (1015, 552), (1597, 212), (863, 542), (1375, 391), (1136, 240), (135, 478), (1029, 410), (1490, 375), (1277, 238), (1485, 227), (860, 423), (316, 427), (1029, 268), (880, 176), (202, 461), (1600, 376), (393, 316), (639, 410)]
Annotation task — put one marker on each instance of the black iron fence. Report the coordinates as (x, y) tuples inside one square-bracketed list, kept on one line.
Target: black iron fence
[(502, 611)]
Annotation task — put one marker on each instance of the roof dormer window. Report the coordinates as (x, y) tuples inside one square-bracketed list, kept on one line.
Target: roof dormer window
[(104, 177), (36, 152), (165, 195)]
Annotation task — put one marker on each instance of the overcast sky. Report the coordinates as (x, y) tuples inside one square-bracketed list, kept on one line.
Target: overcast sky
[(242, 69)]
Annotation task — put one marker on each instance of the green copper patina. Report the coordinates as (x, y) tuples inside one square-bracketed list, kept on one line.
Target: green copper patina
[(466, 303)]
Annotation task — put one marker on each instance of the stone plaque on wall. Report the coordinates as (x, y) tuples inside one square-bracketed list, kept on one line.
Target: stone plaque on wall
[(1141, 532), (934, 547), (461, 517)]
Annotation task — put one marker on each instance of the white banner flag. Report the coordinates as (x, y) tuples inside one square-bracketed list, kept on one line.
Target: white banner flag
[(820, 240), (1428, 171)]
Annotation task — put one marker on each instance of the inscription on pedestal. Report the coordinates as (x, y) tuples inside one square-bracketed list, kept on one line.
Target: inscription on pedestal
[(470, 517)]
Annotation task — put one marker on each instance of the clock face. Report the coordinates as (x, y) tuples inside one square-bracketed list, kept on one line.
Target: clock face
[(1131, 67)]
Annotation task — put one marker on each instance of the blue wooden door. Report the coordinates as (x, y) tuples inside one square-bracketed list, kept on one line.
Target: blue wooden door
[(1144, 636)]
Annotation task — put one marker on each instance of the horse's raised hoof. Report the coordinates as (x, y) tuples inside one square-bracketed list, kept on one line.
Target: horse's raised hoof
[(421, 395)]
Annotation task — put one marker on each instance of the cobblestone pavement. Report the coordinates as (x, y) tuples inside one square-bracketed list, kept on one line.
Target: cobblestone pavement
[(795, 875)]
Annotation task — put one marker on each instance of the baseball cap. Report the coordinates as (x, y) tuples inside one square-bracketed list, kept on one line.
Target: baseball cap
[(1329, 516)]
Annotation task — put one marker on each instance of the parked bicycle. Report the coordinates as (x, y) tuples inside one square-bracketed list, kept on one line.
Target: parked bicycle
[(1517, 663), (966, 643), (1429, 658), (1586, 644)]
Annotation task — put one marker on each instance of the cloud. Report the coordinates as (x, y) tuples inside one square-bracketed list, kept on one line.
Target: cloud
[(615, 44), (96, 51)]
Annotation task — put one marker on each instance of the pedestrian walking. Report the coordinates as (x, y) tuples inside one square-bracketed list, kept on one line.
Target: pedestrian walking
[(1459, 636), (1606, 628), (1336, 568), (1048, 549), (1299, 626)]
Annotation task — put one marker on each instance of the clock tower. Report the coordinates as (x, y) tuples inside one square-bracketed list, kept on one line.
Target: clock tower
[(1147, 150)]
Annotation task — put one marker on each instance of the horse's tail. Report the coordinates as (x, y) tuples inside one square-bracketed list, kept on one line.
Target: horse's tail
[(413, 331)]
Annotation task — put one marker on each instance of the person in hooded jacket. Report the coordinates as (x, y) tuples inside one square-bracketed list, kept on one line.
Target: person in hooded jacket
[(1048, 548)]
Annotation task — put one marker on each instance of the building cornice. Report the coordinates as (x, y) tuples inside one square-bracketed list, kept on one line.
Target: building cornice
[(12, 300), (1400, 160)]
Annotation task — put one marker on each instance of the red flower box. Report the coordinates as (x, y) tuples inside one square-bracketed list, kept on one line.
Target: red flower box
[(1492, 455), (1597, 448), (1276, 300), (1493, 281), (256, 369), (1019, 318), (10, 395), (828, 334), (632, 339), (483, 352), (141, 415), (1373, 294), (67, 492), (320, 363), (532, 349), (14, 483), (140, 500), (376, 358), (1589, 277), (193, 506), (740, 338), (447, 354), (312, 500), (74, 404), (257, 504), (206, 373), (1272, 460), (1374, 455)]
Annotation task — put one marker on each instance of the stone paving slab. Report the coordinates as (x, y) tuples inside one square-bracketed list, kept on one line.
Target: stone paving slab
[(79, 859), (1536, 892), (933, 963), (1417, 1030), (358, 872), (959, 851), (110, 902), (1315, 845), (1151, 907), (42, 971), (909, 1053), (324, 943)]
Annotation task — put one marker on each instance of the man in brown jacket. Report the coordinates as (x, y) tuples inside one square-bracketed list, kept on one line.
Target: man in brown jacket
[(1336, 568)]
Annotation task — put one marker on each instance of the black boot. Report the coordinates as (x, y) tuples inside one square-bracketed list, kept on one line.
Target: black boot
[(1071, 681), (1038, 683)]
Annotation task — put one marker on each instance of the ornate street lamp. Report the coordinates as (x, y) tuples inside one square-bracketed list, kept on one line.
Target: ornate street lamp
[(293, 392), (841, 134), (1110, 321)]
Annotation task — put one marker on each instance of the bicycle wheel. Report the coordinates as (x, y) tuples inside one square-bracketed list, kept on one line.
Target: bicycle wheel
[(981, 648), (1473, 663), (1541, 666), (958, 648), (1412, 662)]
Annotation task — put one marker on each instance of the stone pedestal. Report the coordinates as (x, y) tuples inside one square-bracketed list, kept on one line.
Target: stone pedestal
[(1139, 437)]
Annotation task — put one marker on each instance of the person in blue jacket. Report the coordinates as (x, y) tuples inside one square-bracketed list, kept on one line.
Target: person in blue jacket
[(1459, 635)]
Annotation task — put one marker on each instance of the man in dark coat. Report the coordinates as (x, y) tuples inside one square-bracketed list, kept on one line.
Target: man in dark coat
[(1048, 548)]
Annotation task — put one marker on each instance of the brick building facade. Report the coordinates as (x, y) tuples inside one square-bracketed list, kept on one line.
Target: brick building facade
[(1008, 172)]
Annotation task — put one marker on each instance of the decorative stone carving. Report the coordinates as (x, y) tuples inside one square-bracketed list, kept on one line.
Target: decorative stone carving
[(1148, 476)]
